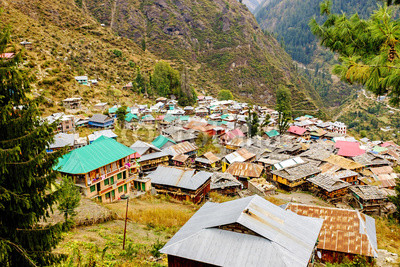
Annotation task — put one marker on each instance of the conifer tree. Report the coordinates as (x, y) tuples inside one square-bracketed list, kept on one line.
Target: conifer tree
[(25, 170), (369, 49)]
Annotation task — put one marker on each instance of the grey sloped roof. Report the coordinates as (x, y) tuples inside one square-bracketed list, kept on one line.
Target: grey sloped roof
[(179, 177), (328, 182), (142, 147), (154, 155), (100, 118), (289, 238), (62, 140)]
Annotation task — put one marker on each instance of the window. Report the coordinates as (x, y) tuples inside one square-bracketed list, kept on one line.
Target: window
[(120, 189), (106, 181), (119, 175), (92, 188), (108, 195), (113, 194), (112, 180), (124, 174), (125, 188)]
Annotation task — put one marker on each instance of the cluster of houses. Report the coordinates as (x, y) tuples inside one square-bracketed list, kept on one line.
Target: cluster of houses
[(314, 156)]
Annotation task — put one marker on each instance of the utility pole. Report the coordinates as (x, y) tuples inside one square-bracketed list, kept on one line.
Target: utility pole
[(126, 217)]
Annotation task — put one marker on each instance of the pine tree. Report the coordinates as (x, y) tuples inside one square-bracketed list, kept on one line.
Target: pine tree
[(369, 49), (68, 200), (284, 108), (25, 170), (121, 113)]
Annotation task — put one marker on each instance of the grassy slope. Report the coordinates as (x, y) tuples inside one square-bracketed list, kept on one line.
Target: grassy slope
[(219, 41)]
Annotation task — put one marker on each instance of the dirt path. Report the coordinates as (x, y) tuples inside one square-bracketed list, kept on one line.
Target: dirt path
[(303, 198)]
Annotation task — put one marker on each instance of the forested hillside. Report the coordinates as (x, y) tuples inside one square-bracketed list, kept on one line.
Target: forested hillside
[(288, 20)]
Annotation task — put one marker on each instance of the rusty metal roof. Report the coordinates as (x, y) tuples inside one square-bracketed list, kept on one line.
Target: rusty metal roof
[(211, 157), (182, 148), (347, 231), (180, 157), (245, 169)]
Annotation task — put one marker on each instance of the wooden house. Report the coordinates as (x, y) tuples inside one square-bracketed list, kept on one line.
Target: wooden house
[(294, 176), (344, 234), (181, 183), (208, 161), (368, 198), (72, 102), (244, 171), (128, 86), (184, 148), (245, 232), (328, 186), (241, 155), (27, 45), (348, 176), (225, 183), (299, 132), (150, 156), (385, 177), (181, 160), (103, 178), (101, 121), (261, 187)]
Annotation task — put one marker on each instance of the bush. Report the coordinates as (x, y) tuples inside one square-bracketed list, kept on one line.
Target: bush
[(117, 53), (155, 248)]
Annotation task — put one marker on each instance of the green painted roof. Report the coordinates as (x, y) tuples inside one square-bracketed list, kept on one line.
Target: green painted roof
[(161, 140), (308, 116), (101, 152), (130, 116), (272, 133), (224, 116), (169, 118), (184, 118), (112, 110), (379, 149)]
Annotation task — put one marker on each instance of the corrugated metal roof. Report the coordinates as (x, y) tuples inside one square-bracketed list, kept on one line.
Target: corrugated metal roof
[(180, 158), (288, 237), (240, 155), (182, 148), (142, 147), (154, 155), (288, 163), (101, 152), (343, 230), (245, 169), (179, 177)]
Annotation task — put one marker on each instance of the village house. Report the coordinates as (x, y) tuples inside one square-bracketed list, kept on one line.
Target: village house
[(208, 161), (224, 183), (338, 127), (101, 106), (245, 232), (328, 187), (244, 171), (181, 183), (231, 135), (103, 178), (189, 110), (128, 86), (385, 177), (370, 199), (82, 80), (271, 134), (241, 155), (101, 121), (299, 132), (27, 45), (65, 123), (371, 160), (344, 234), (107, 133), (261, 187), (181, 160), (163, 142), (294, 176), (72, 102), (62, 140), (335, 163), (150, 156), (185, 148), (348, 149)]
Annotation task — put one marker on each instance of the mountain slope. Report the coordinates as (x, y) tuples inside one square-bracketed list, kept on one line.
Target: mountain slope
[(219, 42)]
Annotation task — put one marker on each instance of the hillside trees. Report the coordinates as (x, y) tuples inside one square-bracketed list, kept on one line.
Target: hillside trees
[(284, 108), (121, 113), (225, 95), (368, 49), (25, 170)]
